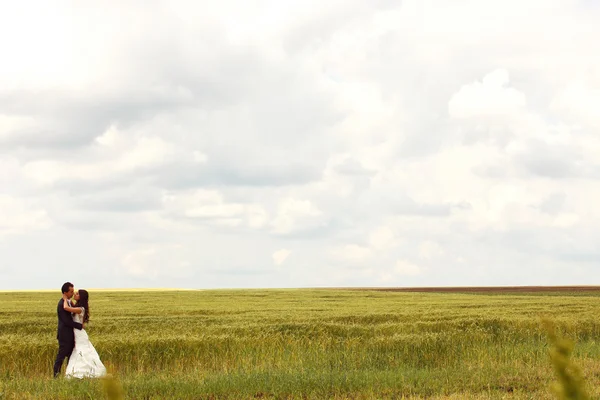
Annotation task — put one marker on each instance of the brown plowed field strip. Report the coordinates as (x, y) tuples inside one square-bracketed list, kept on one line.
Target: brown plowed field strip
[(484, 289)]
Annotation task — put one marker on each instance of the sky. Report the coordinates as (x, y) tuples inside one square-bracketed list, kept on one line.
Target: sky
[(287, 143)]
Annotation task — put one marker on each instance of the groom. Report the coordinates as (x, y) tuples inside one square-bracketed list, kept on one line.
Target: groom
[(65, 335)]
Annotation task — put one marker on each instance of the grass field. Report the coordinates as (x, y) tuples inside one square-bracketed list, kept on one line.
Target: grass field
[(360, 344)]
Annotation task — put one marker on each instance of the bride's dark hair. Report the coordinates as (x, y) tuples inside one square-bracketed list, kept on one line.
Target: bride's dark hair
[(84, 301)]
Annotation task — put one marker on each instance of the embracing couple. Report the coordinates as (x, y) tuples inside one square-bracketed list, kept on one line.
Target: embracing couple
[(73, 341)]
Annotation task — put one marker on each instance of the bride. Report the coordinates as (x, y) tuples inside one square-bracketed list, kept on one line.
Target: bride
[(84, 361)]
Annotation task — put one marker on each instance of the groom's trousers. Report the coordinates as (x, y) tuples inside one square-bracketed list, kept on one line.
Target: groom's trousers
[(64, 351)]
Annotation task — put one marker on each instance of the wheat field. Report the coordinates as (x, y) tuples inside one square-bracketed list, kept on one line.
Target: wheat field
[(304, 344)]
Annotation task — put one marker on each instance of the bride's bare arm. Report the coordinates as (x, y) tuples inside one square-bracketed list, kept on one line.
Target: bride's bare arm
[(76, 310)]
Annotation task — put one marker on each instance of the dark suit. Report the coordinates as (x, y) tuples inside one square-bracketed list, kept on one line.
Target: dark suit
[(65, 336)]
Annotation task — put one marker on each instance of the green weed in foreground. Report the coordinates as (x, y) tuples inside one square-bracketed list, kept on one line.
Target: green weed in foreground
[(112, 387), (304, 344), (570, 385)]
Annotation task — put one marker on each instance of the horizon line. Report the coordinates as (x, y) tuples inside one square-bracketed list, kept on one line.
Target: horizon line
[(380, 288)]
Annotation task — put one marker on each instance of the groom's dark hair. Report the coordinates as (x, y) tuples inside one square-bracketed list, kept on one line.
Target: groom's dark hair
[(66, 286)]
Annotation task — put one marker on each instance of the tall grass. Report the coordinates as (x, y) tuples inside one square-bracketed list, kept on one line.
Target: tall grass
[(304, 344)]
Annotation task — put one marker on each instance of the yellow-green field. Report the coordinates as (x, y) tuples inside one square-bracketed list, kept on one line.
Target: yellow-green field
[(312, 344)]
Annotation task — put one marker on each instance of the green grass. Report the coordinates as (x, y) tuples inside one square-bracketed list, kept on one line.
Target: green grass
[(304, 344)]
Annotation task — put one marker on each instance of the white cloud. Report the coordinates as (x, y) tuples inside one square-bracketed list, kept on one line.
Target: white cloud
[(489, 98), (141, 153), (280, 256), (351, 253), (140, 263), (402, 274), (19, 216), (579, 102), (295, 215), (209, 205), (406, 268), (110, 137), (430, 250), (9, 124), (157, 262), (382, 238)]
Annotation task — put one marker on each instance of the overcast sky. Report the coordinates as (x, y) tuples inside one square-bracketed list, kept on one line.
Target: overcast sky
[(287, 143)]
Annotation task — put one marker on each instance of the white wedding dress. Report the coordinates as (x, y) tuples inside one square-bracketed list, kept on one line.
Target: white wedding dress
[(84, 361)]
